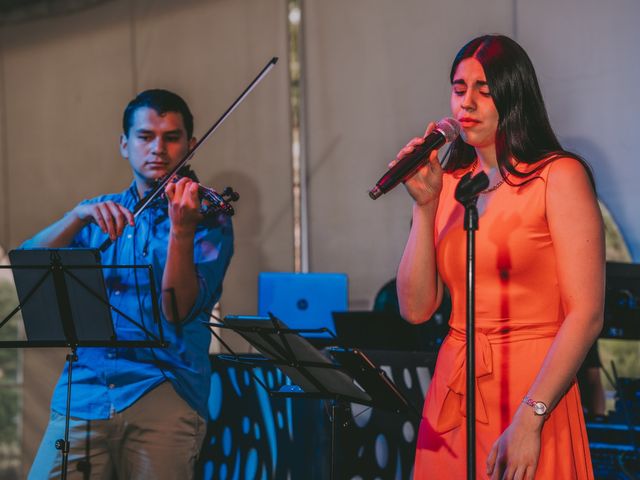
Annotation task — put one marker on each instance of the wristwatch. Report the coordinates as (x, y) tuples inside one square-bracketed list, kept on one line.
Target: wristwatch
[(539, 408)]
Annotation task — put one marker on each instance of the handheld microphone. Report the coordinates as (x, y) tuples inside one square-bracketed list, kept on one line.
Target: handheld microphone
[(446, 131)]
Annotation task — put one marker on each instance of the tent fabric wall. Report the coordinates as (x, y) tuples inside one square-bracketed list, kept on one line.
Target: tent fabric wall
[(587, 60), (377, 74)]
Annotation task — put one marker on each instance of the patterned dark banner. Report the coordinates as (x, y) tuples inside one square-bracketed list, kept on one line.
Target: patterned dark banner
[(253, 436)]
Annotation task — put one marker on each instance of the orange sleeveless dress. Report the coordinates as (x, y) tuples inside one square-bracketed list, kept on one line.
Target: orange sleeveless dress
[(518, 312)]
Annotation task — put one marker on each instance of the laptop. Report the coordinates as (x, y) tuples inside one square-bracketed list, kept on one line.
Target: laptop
[(303, 300), (382, 330)]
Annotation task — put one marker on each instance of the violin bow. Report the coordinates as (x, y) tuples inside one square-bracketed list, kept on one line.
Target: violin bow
[(159, 188)]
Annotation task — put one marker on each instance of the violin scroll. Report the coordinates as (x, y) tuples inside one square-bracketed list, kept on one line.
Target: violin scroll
[(218, 203), (211, 202)]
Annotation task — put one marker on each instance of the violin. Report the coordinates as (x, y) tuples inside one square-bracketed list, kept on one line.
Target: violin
[(212, 202), (218, 202)]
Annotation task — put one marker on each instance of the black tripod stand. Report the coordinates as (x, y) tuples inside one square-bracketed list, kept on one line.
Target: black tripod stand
[(64, 303)]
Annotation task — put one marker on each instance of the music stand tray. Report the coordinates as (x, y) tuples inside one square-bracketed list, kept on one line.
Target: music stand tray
[(311, 371), (373, 380), (63, 300)]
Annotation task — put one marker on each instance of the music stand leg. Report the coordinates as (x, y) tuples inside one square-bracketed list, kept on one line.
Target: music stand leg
[(63, 444), (333, 440), (339, 412)]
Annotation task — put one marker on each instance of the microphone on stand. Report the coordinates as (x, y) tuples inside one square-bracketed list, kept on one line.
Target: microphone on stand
[(446, 131)]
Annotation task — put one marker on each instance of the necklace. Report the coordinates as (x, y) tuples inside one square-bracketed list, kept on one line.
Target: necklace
[(490, 189)]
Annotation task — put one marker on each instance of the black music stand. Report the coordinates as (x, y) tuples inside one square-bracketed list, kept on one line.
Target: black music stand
[(351, 377), (64, 303)]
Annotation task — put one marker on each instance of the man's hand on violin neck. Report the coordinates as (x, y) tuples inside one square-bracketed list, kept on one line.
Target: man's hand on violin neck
[(111, 217), (184, 206)]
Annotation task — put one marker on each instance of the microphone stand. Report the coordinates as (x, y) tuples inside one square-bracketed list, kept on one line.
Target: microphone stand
[(466, 193)]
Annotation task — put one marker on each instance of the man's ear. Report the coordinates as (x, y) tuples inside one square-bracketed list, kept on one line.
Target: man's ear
[(192, 143), (123, 145)]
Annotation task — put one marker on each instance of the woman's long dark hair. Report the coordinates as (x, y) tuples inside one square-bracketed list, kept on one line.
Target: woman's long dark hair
[(524, 131)]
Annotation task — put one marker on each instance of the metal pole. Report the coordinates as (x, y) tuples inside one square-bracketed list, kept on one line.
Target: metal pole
[(63, 444), (471, 225)]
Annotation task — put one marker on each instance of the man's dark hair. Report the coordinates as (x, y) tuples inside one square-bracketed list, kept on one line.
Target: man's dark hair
[(162, 101)]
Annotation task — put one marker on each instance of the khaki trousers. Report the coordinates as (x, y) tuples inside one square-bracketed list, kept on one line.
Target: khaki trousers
[(158, 437)]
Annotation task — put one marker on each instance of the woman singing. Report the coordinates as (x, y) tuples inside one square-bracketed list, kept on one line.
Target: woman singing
[(539, 278)]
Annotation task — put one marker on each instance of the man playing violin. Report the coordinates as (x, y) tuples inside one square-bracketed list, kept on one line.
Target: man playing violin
[(141, 412)]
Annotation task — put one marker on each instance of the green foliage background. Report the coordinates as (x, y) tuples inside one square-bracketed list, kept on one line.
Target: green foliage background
[(10, 386)]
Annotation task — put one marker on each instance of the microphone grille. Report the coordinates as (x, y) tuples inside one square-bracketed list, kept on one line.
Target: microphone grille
[(449, 127)]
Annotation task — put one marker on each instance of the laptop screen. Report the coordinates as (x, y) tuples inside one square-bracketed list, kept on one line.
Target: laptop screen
[(388, 331), (303, 300)]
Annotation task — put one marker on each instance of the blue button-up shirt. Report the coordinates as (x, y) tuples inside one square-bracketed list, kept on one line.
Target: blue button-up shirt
[(108, 380)]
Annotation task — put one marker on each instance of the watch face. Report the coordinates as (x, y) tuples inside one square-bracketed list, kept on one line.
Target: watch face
[(539, 408)]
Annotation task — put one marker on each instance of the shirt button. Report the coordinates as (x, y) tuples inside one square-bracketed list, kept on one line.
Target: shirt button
[(112, 386), (111, 355), (117, 292)]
